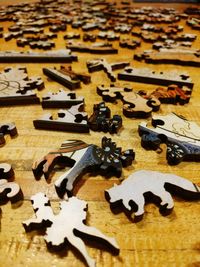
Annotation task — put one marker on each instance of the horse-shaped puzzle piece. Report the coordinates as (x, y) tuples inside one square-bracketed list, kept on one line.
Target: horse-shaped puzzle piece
[(83, 155), (140, 183), (68, 225), (134, 104), (181, 136)]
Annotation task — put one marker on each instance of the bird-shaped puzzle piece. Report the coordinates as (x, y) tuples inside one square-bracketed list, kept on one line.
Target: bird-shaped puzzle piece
[(68, 225)]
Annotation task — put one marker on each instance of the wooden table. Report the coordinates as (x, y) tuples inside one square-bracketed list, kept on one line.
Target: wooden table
[(156, 240)]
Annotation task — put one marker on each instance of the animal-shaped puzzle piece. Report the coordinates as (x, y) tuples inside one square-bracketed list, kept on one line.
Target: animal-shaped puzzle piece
[(67, 77), (181, 136), (134, 104), (7, 128), (8, 190), (146, 75), (72, 120), (102, 64), (173, 94), (152, 184), (17, 88), (108, 158), (61, 99), (68, 225), (101, 119)]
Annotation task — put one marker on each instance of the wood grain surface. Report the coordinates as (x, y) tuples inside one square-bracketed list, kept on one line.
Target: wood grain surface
[(156, 241)]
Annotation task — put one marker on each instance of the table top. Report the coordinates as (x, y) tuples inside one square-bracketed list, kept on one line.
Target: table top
[(157, 240)]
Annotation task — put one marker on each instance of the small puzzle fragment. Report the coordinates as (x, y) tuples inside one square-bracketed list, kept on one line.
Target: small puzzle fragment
[(66, 226), (146, 75), (178, 56), (61, 99), (8, 190), (71, 120), (67, 77), (173, 94), (101, 119), (153, 185), (181, 136), (134, 105), (102, 64), (97, 48), (7, 128), (16, 87)]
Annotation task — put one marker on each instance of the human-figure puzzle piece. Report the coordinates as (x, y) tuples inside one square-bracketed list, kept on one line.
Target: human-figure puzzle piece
[(181, 136), (72, 120), (61, 99), (7, 128), (8, 190), (142, 183), (68, 225), (134, 104), (102, 64), (108, 158)]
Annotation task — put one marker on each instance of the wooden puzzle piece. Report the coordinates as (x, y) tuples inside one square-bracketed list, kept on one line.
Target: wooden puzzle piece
[(109, 35), (8, 190), (134, 104), (179, 56), (171, 44), (180, 135), (71, 120), (173, 94), (61, 99), (89, 37), (66, 226), (102, 64), (146, 75), (7, 128), (56, 56), (17, 88), (129, 43), (101, 119), (108, 158), (67, 77), (97, 48), (194, 23), (6, 171), (71, 35), (152, 184)]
